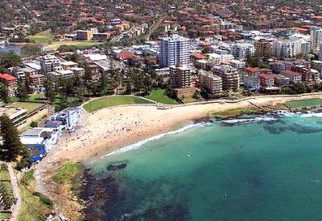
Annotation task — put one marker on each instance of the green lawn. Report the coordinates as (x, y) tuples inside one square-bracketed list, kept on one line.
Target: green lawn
[(34, 206), (36, 98), (159, 95), (4, 174), (231, 113), (304, 103), (82, 44), (42, 38), (110, 101), (67, 172), (5, 216), (30, 107)]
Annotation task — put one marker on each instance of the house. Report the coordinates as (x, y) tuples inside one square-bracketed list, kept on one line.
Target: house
[(10, 81), (125, 55), (267, 80), (252, 83), (294, 77)]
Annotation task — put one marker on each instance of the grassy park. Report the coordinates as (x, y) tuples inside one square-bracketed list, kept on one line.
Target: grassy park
[(47, 39), (304, 103), (110, 101), (231, 113), (81, 44), (159, 95), (42, 38), (29, 106)]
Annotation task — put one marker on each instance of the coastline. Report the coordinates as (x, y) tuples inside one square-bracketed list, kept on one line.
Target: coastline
[(110, 129)]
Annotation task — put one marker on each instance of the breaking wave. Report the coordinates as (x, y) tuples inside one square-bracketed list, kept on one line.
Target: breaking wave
[(249, 120), (157, 137)]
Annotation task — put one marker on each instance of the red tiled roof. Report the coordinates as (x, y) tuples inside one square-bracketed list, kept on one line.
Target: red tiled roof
[(199, 56), (125, 55), (7, 77), (289, 73), (266, 76)]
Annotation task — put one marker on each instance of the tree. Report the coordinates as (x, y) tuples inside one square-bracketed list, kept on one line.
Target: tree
[(4, 93), (30, 51), (63, 102), (9, 59), (21, 92), (11, 147), (49, 89), (28, 86)]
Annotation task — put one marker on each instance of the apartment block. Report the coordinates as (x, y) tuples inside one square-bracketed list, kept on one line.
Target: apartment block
[(180, 76), (210, 82)]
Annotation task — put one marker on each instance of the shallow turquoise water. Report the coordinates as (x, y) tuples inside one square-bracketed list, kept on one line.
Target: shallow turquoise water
[(256, 171)]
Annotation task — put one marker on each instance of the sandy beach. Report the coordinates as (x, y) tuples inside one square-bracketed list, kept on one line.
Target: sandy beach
[(109, 129)]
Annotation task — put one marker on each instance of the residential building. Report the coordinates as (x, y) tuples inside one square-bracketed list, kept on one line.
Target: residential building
[(263, 48), (220, 58), (180, 76), (10, 81), (210, 82), (316, 39), (37, 80), (49, 63), (305, 72), (229, 75), (294, 77), (286, 48), (267, 80), (237, 64), (282, 80), (317, 65), (252, 83), (242, 50), (174, 50)]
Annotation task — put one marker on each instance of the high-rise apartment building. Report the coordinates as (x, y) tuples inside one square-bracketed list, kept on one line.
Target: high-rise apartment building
[(175, 50), (316, 39)]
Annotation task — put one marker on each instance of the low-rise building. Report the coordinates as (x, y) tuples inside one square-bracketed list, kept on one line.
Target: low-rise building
[(294, 77), (39, 141), (267, 80), (252, 83), (10, 81), (282, 80), (15, 114)]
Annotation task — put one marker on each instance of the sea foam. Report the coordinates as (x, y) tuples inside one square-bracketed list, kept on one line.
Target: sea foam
[(157, 137), (250, 120)]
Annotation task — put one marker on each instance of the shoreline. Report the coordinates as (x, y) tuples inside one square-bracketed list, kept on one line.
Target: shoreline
[(112, 129)]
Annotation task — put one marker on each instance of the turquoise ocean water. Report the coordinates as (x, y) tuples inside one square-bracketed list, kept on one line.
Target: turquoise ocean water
[(262, 168)]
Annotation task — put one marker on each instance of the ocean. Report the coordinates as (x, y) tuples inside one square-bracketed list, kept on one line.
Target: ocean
[(252, 168)]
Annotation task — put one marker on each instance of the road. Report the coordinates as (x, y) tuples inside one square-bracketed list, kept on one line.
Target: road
[(16, 193)]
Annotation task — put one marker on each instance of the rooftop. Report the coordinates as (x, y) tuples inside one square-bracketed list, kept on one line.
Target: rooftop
[(7, 77)]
